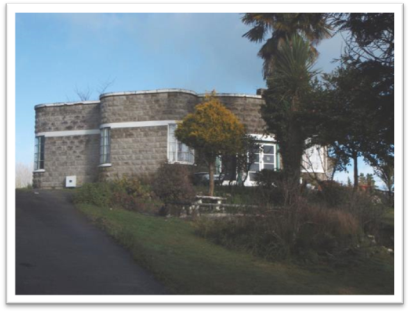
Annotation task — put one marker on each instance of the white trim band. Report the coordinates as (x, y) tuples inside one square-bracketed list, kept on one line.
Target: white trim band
[(148, 92), (105, 165), (68, 133), (116, 125), (243, 95), (66, 103), (138, 124)]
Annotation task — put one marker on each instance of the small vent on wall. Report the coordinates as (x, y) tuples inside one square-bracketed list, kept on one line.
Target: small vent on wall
[(70, 181)]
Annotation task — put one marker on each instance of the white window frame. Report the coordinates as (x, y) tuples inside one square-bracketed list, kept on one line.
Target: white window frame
[(39, 151), (173, 146), (261, 155), (105, 146)]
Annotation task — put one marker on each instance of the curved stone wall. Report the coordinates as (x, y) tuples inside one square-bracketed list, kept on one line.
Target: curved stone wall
[(247, 109), (147, 106), (72, 140)]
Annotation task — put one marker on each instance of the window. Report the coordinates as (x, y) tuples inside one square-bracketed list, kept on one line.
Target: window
[(39, 153), (105, 146), (264, 158), (177, 151)]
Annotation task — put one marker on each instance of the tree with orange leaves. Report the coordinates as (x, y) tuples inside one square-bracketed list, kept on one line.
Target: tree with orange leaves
[(212, 130)]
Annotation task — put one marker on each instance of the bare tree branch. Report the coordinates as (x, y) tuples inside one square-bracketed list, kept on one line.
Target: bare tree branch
[(83, 94)]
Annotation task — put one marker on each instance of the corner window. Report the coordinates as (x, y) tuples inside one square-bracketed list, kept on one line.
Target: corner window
[(39, 153), (105, 146), (177, 151)]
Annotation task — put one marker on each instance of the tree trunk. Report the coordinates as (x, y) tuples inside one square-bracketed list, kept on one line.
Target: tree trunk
[(292, 152), (356, 172), (211, 178)]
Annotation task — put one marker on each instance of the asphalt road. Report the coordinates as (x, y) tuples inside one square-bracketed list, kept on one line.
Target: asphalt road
[(59, 252)]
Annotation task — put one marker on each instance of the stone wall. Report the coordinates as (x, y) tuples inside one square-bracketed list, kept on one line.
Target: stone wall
[(66, 156), (67, 117), (146, 106), (136, 151), (247, 109)]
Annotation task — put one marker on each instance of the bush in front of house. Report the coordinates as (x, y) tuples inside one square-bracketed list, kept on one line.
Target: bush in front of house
[(307, 233), (367, 207), (270, 187), (127, 193), (173, 185), (98, 194)]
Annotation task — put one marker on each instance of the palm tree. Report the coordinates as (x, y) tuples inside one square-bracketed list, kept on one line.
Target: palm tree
[(313, 27), (290, 99)]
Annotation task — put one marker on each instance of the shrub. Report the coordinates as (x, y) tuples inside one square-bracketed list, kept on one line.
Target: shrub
[(369, 213), (307, 233), (270, 187), (333, 194), (126, 193), (133, 187), (172, 184), (98, 194)]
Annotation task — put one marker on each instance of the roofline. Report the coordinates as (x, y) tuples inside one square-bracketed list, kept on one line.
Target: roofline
[(255, 96), (148, 92), (181, 91), (65, 103)]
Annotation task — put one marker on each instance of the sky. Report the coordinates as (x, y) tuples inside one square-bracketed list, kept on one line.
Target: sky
[(57, 54)]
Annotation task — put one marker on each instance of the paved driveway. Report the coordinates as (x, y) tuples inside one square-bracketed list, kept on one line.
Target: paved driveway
[(59, 252)]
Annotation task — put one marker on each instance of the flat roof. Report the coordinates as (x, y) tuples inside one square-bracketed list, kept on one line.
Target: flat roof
[(66, 103), (255, 96)]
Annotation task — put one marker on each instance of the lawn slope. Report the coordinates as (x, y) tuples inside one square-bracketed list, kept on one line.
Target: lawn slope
[(188, 264)]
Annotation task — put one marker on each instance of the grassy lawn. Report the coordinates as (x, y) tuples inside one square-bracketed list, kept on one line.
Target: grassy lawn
[(386, 233), (188, 264)]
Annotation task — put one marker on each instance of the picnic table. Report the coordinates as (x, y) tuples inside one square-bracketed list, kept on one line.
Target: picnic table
[(212, 201)]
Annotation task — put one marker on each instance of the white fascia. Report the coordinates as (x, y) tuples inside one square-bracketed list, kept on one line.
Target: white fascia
[(68, 133), (138, 124)]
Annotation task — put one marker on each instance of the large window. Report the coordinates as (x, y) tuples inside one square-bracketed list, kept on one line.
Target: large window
[(177, 151), (105, 146), (39, 153), (264, 157)]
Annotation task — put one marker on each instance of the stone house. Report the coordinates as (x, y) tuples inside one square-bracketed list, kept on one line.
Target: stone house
[(133, 133)]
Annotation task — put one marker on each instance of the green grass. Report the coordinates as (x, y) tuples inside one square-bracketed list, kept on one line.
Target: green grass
[(386, 231), (188, 264), (389, 217)]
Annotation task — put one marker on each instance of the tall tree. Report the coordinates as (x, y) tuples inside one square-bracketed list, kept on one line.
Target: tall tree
[(370, 52), (212, 130), (349, 126), (313, 27), (289, 103)]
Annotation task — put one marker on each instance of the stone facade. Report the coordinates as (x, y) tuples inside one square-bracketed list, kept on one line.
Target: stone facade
[(136, 151), (146, 106), (138, 124), (77, 116), (68, 156)]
